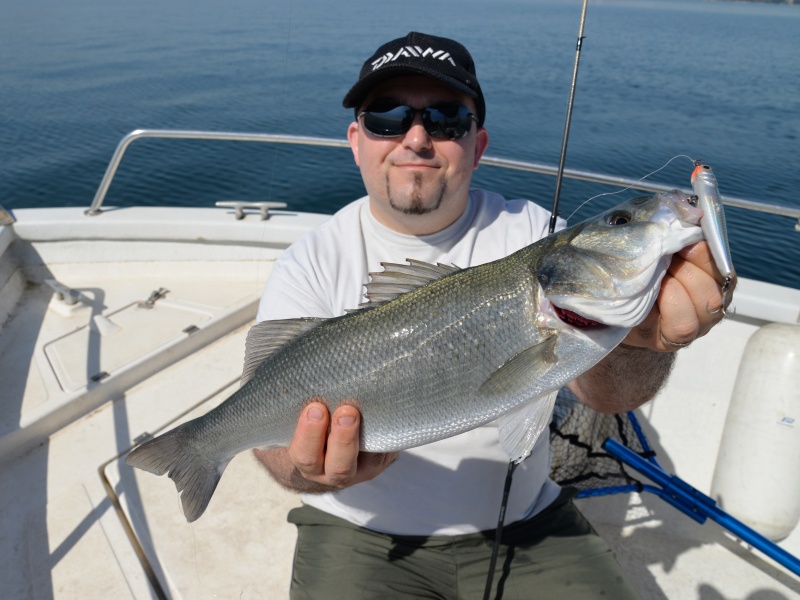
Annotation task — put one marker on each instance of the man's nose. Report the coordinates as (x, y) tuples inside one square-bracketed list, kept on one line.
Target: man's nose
[(417, 138)]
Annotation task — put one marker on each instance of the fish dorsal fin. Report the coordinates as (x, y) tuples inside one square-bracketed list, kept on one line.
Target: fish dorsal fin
[(397, 279), (520, 428), (267, 337)]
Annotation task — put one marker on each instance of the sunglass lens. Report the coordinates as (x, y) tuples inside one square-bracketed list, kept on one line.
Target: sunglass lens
[(447, 122), (389, 123)]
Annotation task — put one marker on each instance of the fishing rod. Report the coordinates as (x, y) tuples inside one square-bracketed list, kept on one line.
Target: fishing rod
[(568, 121), (553, 217)]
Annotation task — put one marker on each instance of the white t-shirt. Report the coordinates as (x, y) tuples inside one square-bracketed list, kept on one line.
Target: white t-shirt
[(455, 485)]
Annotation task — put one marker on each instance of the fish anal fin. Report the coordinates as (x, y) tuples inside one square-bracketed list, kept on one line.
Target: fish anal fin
[(267, 337)]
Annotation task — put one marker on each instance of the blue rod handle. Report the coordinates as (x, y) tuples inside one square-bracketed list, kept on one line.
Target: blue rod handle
[(697, 505)]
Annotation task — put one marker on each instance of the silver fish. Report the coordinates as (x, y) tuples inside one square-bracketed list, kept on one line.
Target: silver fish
[(456, 349), (705, 187)]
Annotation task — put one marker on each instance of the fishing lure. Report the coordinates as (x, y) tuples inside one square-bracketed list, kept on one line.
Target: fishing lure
[(705, 187)]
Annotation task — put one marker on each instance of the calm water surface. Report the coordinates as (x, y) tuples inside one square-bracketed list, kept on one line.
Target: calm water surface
[(718, 81)]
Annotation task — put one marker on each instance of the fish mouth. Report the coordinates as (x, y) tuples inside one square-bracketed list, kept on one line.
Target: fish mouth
[(574, 319)]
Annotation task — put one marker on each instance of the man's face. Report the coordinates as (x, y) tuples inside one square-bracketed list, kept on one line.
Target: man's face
[(417, 184)]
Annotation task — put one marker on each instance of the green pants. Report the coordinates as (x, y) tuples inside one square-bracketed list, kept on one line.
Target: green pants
[(555, 555)]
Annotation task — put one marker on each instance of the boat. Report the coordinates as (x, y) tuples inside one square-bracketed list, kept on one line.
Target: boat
[(118, 323)]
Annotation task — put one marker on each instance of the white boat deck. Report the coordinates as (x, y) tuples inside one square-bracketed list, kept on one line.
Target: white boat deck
[(62, 534), (667, 554)]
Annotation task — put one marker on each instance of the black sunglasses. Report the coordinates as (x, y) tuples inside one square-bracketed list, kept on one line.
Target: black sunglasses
[(444, 122)]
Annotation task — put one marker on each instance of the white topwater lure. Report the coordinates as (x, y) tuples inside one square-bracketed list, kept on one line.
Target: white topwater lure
[(709, 201)]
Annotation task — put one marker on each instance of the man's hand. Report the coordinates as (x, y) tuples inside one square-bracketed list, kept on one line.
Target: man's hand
[(688, 305), (324, 453)]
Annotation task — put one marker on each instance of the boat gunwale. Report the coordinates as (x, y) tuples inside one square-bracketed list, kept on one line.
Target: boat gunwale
[(533, 167)]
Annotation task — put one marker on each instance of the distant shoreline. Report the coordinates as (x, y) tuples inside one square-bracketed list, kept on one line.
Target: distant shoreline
[(785, 2)]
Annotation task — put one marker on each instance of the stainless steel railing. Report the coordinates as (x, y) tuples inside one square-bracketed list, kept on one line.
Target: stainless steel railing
[(137, 134), (505, 163)]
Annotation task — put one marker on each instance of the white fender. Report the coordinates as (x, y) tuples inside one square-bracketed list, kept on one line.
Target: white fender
[(757, 475)]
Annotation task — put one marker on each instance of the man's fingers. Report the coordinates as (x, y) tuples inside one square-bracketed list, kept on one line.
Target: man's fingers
[(678, 320), (341, 456), (699, 254), (325, 448), (696, 273), (307, 449), (344, 464), (688, 304)]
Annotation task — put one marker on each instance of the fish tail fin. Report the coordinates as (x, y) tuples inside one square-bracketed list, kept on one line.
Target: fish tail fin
[(195, 475)]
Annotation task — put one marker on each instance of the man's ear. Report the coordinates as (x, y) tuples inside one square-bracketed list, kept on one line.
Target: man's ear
[(481, 142), (352, 137)]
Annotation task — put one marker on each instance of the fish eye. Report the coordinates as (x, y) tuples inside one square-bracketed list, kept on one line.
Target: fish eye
[(619, 217), (692, 200)]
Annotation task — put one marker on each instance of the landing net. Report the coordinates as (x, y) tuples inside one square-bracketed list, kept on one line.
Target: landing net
[(578, 459)]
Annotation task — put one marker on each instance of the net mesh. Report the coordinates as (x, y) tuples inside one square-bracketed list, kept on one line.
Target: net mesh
[(578, 459)]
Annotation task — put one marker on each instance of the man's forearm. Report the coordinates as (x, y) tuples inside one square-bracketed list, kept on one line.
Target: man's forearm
[(624, 380)]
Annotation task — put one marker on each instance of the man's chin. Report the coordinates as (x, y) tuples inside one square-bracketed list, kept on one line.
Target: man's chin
[(414, 194), (416, 201), (412, 208)]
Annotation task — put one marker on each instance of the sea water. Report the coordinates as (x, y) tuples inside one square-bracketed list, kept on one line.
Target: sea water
[(716, 81)]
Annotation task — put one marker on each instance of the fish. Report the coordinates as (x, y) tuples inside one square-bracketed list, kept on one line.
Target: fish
[(438, 350), (706, 189)]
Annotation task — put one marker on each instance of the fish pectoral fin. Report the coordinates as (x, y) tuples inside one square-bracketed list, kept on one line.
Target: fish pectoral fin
[(397, 279), (519, 429), (267, 337), (521, 372)]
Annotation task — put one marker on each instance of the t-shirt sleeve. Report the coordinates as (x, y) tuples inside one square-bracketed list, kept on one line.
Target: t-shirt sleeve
[(293, 289), (321, 274)]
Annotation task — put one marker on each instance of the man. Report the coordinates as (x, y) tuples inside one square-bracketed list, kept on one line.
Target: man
[(417, 530)]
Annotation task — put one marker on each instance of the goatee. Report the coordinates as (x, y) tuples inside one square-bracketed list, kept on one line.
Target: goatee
[(417, 204)]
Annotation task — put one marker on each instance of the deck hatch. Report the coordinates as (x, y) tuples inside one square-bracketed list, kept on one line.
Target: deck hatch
[(79, 356)]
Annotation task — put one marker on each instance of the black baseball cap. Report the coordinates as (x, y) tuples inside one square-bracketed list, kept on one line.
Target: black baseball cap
[(420, 54)]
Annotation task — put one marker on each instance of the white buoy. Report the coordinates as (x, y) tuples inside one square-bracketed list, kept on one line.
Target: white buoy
[(757, 475)]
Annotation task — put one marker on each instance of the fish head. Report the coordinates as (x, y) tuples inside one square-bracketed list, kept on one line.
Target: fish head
[(608, 270)]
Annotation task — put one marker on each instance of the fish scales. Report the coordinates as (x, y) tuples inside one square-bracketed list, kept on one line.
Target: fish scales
[(414, 349)]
